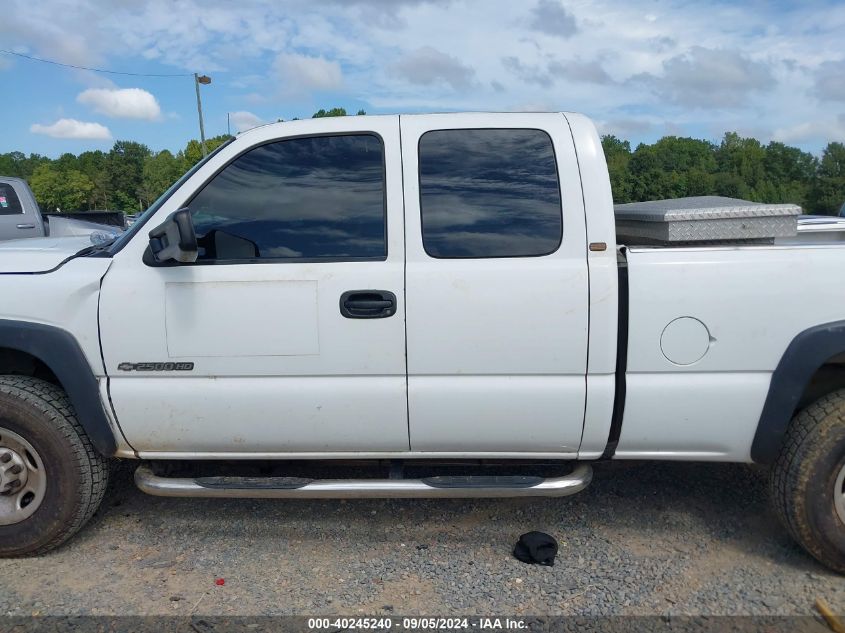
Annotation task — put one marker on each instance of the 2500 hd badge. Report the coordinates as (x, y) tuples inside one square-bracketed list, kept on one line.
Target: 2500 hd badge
[(156, 367)]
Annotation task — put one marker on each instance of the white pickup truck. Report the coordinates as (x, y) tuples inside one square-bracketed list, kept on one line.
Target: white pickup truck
[(447, 302)]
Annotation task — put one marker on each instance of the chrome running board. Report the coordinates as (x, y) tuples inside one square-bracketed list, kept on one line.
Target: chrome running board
[(298, 488)]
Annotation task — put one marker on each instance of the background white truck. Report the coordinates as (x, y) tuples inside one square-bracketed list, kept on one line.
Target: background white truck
[(442, 300)]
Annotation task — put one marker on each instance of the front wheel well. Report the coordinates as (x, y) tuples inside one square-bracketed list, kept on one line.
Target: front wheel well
[(54, 354), (14, 362)]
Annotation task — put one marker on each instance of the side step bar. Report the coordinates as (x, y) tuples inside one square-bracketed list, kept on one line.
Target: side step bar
[(299, 488)]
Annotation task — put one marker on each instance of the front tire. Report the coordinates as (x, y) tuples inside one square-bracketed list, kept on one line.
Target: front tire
[(51, 478), (808, 480)]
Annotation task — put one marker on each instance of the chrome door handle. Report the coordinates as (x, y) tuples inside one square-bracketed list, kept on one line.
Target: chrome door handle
[(26, 226)]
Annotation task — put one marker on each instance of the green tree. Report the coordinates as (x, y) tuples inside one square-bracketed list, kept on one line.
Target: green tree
[(94, 164), (672, 167), (787, 163), (741, 160), (789, 174), (61, 190), (10, 164), (828, 192), (125, 166), (618, 154), (192, 154), (19, 165), (160, 171), (66, 162), (319, 114)]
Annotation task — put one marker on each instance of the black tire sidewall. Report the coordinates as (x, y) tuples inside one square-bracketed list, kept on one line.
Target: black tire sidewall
[(64, 478), (819, 508)]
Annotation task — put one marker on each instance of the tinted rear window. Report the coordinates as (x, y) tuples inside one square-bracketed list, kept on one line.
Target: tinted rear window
[(489, 193), (9, 202)]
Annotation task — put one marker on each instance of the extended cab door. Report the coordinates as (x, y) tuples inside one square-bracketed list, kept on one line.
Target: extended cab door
[(496, 284), (287, 335)]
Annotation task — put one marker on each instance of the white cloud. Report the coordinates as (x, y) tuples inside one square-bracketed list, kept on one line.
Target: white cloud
[(820, 131), (122, 103), (301, 73), (427, 65), (574, 70), (830, 81), (624, 128), (71, 128), (530, 74), (716, 78), (551, 18), (581, 71), (244, 120)]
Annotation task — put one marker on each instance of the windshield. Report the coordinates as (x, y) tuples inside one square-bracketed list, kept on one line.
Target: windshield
[(142, 219)]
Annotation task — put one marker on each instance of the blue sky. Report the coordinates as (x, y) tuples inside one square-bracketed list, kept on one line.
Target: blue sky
[(640, 69)]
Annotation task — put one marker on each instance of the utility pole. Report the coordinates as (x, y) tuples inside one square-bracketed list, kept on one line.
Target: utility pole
[(205, 80)]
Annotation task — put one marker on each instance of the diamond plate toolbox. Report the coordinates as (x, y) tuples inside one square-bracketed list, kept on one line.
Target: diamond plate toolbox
[(704, 219)]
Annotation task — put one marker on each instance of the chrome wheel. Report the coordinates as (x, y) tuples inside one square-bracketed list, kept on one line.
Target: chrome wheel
[(839, 495), (23, 481)]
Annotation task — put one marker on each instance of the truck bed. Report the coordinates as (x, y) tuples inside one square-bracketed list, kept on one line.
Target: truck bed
[(707, 326)]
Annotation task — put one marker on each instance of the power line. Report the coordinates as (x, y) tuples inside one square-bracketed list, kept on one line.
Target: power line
[(96, 70)]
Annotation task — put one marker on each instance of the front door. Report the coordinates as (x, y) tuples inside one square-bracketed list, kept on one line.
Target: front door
[(496, 284), (287, 335)]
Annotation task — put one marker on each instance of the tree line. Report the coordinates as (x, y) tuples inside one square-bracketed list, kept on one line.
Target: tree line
[(738, 167), (130, 176)]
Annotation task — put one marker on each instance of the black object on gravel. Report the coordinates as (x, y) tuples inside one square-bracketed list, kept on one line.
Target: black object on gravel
[(536, 548)]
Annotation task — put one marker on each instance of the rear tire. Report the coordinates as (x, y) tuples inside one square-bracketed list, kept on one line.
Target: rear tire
[(807, 480), (65, 475)]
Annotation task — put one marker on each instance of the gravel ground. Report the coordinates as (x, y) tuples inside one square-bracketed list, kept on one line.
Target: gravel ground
[(644, 538)]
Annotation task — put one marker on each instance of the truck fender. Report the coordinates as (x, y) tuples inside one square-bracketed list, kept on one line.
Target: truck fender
[(59, 351), (806, 353)]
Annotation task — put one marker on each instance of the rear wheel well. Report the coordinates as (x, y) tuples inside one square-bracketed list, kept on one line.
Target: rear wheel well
[(17, 363), (826, 379)]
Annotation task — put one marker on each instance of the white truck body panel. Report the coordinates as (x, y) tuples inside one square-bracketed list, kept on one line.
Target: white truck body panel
[(710, 408), (67, 300), (39, 254), (603, 291)]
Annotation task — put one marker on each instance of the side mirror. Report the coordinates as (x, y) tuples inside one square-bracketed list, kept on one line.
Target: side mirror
[(175, 239)]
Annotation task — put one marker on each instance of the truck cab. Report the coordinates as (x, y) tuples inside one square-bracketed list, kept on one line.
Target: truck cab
[(424, 300)]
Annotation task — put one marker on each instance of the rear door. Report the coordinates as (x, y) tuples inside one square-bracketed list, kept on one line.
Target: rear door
[(16, 221), (496, 283)]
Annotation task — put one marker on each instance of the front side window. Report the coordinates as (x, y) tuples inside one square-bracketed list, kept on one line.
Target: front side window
[(489, 193), (296, 199), (9, 202)]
